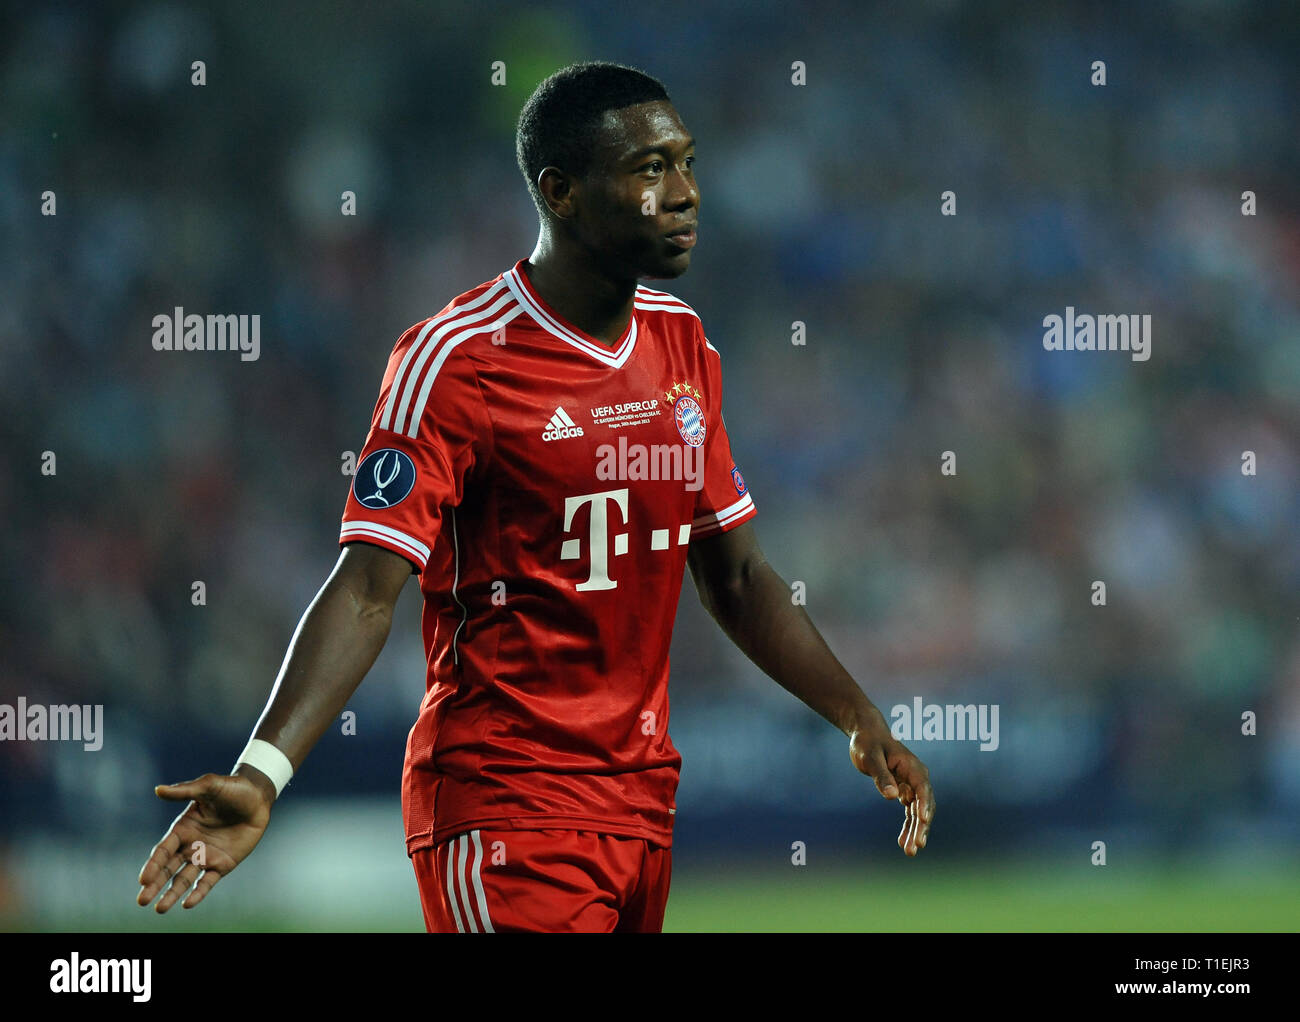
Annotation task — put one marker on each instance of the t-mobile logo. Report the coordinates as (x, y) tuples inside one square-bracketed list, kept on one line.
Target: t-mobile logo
[(598, 536)]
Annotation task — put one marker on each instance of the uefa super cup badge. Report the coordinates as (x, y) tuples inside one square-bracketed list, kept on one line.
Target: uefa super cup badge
[(687, 413), (384, 478)]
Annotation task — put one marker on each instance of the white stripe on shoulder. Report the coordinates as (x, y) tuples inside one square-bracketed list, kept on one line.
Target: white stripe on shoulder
[(386, 421), (662, 299), (649, 299), (435, 341), (453, 341), (651, 306)]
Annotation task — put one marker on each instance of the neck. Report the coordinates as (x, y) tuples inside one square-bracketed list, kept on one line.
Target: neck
[(572, 283)]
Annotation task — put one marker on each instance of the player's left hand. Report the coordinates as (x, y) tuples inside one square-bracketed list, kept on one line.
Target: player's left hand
[(898, 774)]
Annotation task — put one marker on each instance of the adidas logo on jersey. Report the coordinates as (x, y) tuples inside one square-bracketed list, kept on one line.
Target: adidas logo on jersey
[(561, 427)]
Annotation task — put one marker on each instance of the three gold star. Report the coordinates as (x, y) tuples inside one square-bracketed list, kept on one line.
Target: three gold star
[(679, 388)]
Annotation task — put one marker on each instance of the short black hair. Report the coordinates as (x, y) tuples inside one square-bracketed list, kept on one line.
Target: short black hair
[(559, 122)]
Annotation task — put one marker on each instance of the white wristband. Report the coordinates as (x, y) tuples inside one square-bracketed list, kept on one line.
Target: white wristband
[(268, 759)]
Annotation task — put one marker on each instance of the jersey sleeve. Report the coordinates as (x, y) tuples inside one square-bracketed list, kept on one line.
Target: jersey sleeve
[(428, 431), (724, 501)]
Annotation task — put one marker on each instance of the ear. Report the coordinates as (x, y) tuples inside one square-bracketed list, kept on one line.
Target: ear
[(557, 192)]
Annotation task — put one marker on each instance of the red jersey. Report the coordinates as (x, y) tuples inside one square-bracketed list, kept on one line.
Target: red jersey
[(545, 486)]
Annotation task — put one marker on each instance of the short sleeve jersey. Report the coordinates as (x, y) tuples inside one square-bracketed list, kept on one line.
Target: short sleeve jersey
[(546, 488)]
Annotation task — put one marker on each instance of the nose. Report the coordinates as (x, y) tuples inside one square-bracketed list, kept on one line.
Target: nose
[(683, 192)]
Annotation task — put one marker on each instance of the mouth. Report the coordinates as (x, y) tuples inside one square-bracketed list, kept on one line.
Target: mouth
[(683, 237)]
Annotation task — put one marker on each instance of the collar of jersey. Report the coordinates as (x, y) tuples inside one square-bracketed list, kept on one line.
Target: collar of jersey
[(545, 317)]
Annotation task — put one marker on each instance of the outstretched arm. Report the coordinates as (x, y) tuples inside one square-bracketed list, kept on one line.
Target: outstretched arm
[(335, 644), (752, 604)]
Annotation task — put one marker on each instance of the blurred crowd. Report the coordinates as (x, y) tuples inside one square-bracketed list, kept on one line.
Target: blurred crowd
[(821, 206)]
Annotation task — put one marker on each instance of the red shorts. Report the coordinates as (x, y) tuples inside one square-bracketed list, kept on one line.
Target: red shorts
[(553, 881)]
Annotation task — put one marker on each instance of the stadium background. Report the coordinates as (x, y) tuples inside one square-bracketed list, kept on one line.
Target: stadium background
[(819, 204)]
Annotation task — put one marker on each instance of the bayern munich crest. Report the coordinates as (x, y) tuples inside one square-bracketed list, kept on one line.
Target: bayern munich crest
[(687, 413)]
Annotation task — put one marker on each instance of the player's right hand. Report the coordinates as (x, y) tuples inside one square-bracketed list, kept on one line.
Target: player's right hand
[(225, 819)]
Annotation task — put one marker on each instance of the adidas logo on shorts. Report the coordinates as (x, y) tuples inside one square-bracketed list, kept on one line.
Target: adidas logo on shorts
[(561, 427)]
